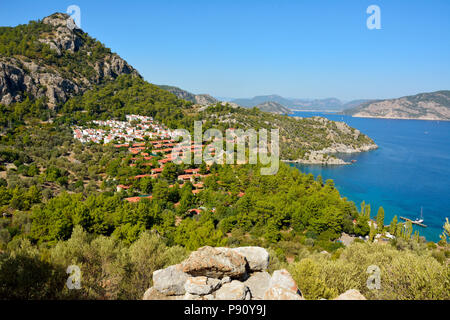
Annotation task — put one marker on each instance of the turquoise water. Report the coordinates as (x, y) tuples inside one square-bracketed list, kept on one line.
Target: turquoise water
[(410, 170)]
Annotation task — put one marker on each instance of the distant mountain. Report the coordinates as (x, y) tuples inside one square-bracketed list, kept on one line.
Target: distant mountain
[(354, 103), (273, 107), (202, 99), (252, 102), (423, 106), (328, 104)]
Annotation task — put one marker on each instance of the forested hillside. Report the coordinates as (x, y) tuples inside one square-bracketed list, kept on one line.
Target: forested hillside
[(103, 208)]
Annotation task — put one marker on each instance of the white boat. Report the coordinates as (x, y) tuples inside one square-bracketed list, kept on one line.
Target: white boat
[(421, 217)]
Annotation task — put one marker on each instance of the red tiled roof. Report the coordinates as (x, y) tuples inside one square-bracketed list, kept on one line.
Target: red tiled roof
[(191, 170), (185, 176), (140, 144), (143, 176)]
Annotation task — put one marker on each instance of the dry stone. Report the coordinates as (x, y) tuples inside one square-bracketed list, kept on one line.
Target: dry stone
[(215, 263), (201, 285), (281, 293), (352, 294), (282, 287), (258, 283), (153, 294), (170, 281), (282, 278), (257, 257), (235, 290)]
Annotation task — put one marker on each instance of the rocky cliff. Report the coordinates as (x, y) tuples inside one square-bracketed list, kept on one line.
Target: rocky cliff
[(227, 274), (201, 99), (53, 60)]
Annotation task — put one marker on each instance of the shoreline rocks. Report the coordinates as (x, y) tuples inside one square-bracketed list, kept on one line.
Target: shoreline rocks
[(322, 157)]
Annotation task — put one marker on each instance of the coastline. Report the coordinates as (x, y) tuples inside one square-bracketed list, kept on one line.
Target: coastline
[(398, 118), (322, 157)]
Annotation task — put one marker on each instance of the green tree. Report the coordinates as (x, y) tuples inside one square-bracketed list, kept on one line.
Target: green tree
[(393, 226), (380, 220), (170, 172)]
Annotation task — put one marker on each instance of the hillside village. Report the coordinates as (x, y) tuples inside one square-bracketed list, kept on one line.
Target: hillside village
[(151, 147), (153, 151)]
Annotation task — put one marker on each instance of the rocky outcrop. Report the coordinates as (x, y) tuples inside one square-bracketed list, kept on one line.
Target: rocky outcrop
[(258, 283), (352, 294), (235, 290), (317, 157), (201, 285), (18, 77), (215, 263), (170, 281), (282, 287), (257, 258), (223, 274), (200, 99), (43, 78)]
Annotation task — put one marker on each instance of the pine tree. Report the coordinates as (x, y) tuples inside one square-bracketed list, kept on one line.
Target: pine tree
[(393, 226), (367, 211), (380, 220)]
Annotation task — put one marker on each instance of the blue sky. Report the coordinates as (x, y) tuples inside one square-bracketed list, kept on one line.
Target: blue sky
[(298, 48)]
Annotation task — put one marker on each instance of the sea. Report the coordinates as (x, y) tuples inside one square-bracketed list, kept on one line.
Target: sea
[(409, 172)]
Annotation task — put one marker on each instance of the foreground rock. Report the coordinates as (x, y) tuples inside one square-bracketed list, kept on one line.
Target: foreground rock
[(257, 257), (351, 295), (215, 263), (154, 294), (201, 285), (258, 283), (282, 287), (227, 274), (235, 290), (170, 281)]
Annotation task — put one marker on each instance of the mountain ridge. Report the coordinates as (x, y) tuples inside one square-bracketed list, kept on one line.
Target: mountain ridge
[(422, 106), (48, 60), (297, 104)]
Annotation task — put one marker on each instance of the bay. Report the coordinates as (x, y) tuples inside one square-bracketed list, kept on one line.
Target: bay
[(410, 170)]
